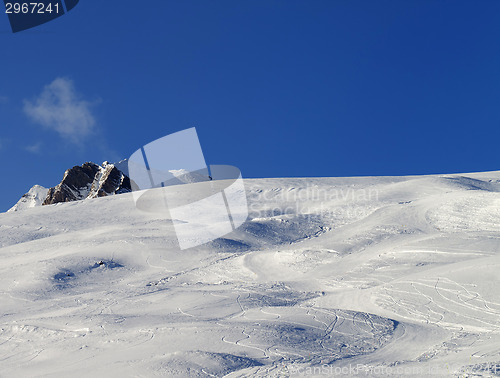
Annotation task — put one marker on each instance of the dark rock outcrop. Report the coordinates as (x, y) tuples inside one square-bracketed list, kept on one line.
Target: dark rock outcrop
[(88, 181)]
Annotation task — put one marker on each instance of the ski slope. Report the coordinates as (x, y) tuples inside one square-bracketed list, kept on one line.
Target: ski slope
[(371, 276)]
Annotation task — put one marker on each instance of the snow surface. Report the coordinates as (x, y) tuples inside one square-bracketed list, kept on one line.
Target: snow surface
[(35, 197), (373, 276)]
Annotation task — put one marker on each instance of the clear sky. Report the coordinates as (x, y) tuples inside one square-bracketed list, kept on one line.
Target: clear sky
[(276, 88)]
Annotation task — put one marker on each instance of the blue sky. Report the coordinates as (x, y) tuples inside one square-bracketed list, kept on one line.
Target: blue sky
[(276, 88)]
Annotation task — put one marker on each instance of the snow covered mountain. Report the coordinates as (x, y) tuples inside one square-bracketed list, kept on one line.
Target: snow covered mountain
[(80, 182), (88, 181), (35, 197), (367, 276)]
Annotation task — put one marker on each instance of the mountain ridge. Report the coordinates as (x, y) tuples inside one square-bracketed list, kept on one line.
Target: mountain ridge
[(87, 181)]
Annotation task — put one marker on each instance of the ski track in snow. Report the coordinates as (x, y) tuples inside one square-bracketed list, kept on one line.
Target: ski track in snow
[(404, 277)]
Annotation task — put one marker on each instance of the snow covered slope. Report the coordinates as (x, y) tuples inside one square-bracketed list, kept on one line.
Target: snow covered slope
[(35, 197), (374, 276)]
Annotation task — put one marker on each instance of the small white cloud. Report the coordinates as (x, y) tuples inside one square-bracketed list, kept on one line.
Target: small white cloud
[(34, 148), (60, 108)]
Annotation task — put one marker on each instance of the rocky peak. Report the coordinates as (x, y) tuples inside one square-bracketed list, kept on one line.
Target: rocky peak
[(109, 180), (88, 181)]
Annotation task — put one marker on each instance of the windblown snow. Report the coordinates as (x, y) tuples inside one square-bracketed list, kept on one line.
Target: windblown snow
[(387, 276)]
